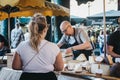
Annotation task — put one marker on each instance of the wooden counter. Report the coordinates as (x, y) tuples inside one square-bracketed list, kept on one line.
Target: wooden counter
[(80, 76), (10, 74), (88, 76)]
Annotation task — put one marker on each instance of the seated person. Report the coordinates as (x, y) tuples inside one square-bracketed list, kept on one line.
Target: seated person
[(4, 46), (37, 57)]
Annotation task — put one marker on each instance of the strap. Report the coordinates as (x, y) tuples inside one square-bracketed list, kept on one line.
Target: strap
[(34, 56), (79, 39)]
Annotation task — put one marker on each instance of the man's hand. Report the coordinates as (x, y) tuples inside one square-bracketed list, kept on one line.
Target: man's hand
[(68, 50)]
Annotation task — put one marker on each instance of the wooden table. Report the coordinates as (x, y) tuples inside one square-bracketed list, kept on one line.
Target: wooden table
[(65, 74), (10, 74), (88, 76)]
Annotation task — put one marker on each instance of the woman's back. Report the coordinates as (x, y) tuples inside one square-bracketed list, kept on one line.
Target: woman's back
[(43, 61), (37, 57)]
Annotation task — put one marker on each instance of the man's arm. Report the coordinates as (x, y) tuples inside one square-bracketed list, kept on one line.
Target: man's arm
[(85, 43), (82, 46), (59, 45), (61, 42), (110, 52), (110, 45)]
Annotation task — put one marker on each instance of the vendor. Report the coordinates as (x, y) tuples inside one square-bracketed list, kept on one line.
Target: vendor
[(76, 39)]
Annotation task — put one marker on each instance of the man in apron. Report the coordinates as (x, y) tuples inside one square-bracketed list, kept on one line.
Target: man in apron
[(76, 39)]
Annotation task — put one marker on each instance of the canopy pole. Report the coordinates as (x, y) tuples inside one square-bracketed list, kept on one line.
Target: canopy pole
[(105, 42), (9, 29)]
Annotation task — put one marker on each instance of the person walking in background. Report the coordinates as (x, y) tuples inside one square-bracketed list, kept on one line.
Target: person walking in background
[(42, 56), (101, 42), (27, 34), (17, 36), (77, 40), (93, 39)]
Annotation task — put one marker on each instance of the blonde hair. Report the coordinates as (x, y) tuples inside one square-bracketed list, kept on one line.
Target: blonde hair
[(36, 27)]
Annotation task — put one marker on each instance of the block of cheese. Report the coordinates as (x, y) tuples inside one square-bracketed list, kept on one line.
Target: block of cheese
[(99, 59), (110, 59), (81, 58), (117, 60), (104, 67), (92, 59), (78, 68), (72, 64), (99, 72)]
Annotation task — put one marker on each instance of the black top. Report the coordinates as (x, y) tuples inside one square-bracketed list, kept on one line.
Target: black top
[(114, 40), (5, 48)]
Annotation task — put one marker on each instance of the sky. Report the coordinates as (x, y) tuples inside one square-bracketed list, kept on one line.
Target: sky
[(95, 7)]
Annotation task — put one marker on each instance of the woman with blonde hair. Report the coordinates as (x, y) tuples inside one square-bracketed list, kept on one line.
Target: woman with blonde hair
[(37, 57)]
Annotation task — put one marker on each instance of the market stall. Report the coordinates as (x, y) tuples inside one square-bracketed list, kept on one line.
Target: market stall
[(79, 69)]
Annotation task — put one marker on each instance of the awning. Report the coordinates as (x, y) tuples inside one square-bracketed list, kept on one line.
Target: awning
[(101, 23), (23, 3), (46, 8), (83, 1), (111, 13), (19, 8)]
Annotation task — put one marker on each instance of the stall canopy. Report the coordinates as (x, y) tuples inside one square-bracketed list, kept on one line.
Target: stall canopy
[(111, 17), (111, 13), (19, 8), (29, 7), (76, 19), (83, 1)]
